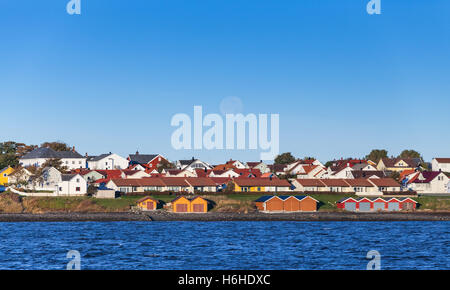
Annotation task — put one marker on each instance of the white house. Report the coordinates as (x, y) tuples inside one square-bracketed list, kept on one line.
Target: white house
[(71, 185), (60, 184), (230, 173), (441, 164), (192, 164), (263, 167), (107, 161), (37, 157), (429, 182)]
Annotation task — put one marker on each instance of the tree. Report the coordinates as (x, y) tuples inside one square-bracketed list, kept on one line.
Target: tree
[(376, 154), (91, 190), (230, 187), (164, 164), (56, 163), (284, 158), (395, 175), (9, 159), (410, 154), (57, 146)]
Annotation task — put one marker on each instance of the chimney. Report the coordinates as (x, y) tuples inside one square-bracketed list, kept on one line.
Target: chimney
[(193, 158), (86, 155), (137, 152), (73, 149)]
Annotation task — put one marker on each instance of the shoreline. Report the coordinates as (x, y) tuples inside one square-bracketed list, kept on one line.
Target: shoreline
[(215, 216)]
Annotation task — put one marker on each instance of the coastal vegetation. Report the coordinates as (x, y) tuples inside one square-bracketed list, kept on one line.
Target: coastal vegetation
[(238, 203)]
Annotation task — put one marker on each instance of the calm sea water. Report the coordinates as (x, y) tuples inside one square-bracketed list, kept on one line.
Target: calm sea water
[(225, 245)]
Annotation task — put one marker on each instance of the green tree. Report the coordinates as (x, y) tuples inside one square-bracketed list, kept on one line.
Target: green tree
[(410, 154), (395, 175), (284, 158), (57, 146), (56, 163), (376, 154), (164, 164), (9, 159)]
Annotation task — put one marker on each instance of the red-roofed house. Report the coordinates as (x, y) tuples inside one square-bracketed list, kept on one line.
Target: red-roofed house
[(429, 182), (441, 164)]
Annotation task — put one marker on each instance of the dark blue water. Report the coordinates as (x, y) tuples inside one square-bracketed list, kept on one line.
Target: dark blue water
[(225, 245)]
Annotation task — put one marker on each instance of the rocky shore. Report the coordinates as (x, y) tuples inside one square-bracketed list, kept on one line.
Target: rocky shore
[(215, 216)]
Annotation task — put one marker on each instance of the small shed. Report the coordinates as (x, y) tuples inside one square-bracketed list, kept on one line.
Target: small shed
[(181, 204), (269, 203), (286, 203), (147, 203), (365, 204), (199, 204), (348, 204), (407, 203), (379, 204), (393, 204)]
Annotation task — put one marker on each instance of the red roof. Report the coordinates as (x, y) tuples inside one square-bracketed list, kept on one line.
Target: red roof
[(384, 182), (310, 182), (261, 182)]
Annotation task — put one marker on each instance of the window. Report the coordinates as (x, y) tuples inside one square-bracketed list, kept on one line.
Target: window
[(78, 180), (60, 189), (77, 189)]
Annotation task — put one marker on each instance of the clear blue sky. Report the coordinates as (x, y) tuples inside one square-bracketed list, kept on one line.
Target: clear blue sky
[(343, 81)]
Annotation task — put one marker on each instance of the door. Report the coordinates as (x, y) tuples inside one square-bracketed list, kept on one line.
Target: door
[(182, 208), (364, 206), (150, 205), (350, 206), (199, 208), (407, 206), (378, 206), (393, 206)]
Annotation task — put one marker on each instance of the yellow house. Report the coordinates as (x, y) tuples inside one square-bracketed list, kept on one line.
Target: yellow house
[(397, 164), (261, 185), (4, 173)]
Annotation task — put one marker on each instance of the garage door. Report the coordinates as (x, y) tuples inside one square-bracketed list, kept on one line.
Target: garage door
[(377, 206), (350, 206), (364, 206), (393, 206), (182, 208), (407, 206), (199, 208)]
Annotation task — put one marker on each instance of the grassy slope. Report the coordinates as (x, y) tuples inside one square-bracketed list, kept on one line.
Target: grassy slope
[(234, 202)]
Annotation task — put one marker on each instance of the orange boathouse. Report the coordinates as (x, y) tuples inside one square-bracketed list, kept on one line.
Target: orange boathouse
[(183, 204), (286, 203), (147, 203)]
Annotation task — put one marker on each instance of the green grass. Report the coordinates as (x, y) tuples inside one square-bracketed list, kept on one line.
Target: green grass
[(57, 203), (123, 202), (327, 201), (435, 203)]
